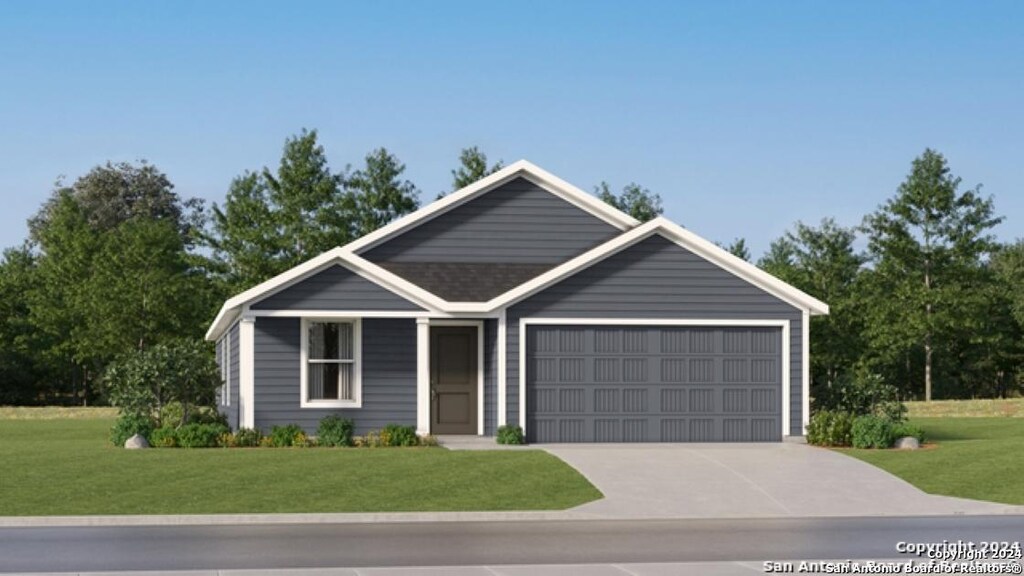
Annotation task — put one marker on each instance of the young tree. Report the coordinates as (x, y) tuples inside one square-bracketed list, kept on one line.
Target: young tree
[(926, 245), (739, 249), (472, 167), (378, 194), (635, 200)]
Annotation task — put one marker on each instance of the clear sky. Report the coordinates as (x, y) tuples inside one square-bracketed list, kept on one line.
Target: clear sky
[(744, 116)]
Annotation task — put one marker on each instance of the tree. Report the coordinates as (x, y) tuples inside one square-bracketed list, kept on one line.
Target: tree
[(739, 249), (378, 195), (823, 262), (20, 370), (635, 200), (926, 245), (472, 167), (271, 222)]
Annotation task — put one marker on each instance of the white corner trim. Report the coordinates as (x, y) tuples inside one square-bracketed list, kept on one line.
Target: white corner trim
[(502, 375), (423, 376), (534, 173), (247, 371), (675, 233), (805, 366), (357, 365), (784, 325)]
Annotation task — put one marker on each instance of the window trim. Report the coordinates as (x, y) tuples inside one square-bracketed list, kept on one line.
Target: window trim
[(356, 362)]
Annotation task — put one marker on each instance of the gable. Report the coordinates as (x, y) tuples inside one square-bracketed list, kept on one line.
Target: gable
[(334, 288), (655, 277), (518, 222)]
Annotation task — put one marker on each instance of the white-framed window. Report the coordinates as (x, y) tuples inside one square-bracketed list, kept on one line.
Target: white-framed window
[(331, 371), (225, 370)]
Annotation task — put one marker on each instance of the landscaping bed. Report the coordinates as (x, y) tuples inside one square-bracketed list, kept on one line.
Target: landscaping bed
[(67, 466)]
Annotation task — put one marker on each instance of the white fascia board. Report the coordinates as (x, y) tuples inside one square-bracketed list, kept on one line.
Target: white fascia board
[(680, 236), (535, 174)]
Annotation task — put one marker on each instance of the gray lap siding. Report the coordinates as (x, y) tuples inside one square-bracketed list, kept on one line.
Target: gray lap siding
[(656, 279), (231, 410), (388, 376), (335, 288)]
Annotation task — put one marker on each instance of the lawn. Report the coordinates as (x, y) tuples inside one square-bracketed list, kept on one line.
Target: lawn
[(979, 458), (66, 466)]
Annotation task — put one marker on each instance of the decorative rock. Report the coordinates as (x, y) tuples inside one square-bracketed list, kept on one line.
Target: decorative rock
[(906, 443), (136, 442)]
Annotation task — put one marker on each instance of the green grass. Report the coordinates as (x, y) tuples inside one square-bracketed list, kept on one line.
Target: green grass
[(56, 412), (67, 467), (1013, 407), (979, 458)]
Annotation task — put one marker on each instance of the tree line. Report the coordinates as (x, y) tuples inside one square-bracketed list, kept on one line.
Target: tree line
[(117, 262)]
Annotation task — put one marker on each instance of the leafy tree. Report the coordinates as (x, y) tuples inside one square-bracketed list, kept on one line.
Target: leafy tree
[(378, 194), (20, 370), (472, 167), (739, 249), (635, 200), (823, 262), (926, 245), (271, 222)]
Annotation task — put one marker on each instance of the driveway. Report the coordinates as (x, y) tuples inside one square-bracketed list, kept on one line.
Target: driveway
[(748, 481)]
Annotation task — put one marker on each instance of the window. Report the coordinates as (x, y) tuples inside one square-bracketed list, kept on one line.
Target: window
[(330, 363)]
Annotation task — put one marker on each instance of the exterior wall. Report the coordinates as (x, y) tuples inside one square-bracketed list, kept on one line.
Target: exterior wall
[(655, 278), (230, 411), (335, 288), (490, 377), (388, 376), (518, 222)]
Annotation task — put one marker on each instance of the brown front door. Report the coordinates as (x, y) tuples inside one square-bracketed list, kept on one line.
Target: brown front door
[(453, 379)]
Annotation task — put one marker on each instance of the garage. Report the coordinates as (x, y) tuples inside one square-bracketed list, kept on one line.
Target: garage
[(654, 383)]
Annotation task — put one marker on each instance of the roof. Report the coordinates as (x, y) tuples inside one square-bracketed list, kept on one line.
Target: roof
[(431, 285)]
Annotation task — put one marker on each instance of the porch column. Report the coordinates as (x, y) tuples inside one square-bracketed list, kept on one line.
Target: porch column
[(247, 371), (423, 376)]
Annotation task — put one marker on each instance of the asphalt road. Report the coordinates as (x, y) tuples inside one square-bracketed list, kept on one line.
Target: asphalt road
[(480, 543)]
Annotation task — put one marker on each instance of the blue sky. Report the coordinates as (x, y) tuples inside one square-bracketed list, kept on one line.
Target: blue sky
[(744, 116)]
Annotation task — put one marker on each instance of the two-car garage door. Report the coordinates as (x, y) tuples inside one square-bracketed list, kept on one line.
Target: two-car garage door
[(592, 383)]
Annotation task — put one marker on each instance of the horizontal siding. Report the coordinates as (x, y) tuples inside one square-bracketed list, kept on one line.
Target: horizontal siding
[(335, 288), (490, 377), (518, 222), (389, 376), (655, 278), (233, 391)]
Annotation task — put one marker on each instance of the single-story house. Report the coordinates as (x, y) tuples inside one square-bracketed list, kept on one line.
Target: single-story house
[(522, 299)]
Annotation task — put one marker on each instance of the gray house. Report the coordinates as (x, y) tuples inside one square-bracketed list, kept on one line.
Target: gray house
[(522, 299)]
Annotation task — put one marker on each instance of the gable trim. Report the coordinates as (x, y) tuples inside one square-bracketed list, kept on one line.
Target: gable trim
[(682, 237), (521, 169)]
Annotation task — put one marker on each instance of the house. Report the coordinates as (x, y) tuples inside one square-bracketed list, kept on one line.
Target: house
[(522, 299)]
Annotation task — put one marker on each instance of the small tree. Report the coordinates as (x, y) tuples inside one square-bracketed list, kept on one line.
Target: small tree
[(635, 200), (142, 383)]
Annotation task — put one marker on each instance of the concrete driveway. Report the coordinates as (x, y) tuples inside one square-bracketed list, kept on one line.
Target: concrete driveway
[(748, 481)]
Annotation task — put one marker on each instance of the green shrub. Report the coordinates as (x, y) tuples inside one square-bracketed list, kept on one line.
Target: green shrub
[(871, 431), (129, 424), (200, 435), (227, 440), (904, 429), (397, 435), (334, 431), (830, 428), (283, 436), (429, 440), (165, 436), (510, 434), (861, 392), (173, 414), (247, 438)]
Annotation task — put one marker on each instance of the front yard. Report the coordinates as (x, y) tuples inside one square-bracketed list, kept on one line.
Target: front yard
[(66, 466), (972, 457)]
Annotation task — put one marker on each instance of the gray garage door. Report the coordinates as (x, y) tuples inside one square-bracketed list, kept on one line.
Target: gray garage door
[(653, 384)]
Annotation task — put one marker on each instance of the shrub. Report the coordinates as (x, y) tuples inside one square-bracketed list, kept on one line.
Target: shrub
[(510, 434), (903, 429), (129, 424), (283, 436), (200, 435), (334, 431), (830, 428), (174, 414), (397, 435), (266, 442), (227, 440), (370, 440), (859, 393), (871, 431), (428, 440), (165, 436), (247, 437)]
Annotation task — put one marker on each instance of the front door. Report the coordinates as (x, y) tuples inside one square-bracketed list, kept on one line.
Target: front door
[(453, 379)]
